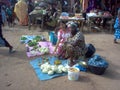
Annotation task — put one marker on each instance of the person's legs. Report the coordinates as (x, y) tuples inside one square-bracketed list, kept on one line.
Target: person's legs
[(115, 40), (116, 35), (104, 22), (11, 50)]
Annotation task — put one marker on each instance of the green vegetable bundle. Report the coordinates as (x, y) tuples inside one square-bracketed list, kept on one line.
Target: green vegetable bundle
[(37, 38), (32, 43), (23, 38)]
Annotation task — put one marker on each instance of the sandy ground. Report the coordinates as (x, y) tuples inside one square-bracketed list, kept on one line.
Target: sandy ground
[(17, 74)]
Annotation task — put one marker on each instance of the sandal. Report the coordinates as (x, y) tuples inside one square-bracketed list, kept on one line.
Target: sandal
[(115, 41), (12, 50)]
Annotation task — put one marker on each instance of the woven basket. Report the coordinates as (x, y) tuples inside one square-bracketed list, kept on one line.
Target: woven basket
[(97, 70)]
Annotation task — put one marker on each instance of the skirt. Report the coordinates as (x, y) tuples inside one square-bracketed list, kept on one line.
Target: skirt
[(117, 34)]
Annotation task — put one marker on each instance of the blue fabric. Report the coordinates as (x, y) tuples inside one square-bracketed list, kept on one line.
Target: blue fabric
[(81, 68), (42, 76), (53, 38), (64, 14), (97, 61), (117, 29), (29, 38), (9, 11), (2, 43), (4, 19)]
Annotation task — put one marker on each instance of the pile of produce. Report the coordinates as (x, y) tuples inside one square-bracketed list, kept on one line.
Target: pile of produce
[(32, 43), (57, 62), (29, 38), (36, 50), (37, 38), (23, 38), (43, 50), (52, 69)]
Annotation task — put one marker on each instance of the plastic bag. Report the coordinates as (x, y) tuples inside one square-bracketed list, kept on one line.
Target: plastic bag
[(97, 61), (91, 50), (52, 38)]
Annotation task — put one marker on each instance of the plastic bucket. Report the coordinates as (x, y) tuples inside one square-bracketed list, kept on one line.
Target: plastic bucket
[(73, 74)]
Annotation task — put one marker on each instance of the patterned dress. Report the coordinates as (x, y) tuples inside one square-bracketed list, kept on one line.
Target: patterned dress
[(117, 29), (77, 43), (75, 48), (62, 36)]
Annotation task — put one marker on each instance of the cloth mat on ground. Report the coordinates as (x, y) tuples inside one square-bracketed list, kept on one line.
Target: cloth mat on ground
[(42, 76), (30, 37), (42, 44)]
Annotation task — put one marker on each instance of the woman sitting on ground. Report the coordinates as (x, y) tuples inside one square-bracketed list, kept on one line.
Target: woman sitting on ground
[(75, 48)]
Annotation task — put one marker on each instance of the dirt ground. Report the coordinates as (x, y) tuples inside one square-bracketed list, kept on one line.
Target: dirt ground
[(17, 74)]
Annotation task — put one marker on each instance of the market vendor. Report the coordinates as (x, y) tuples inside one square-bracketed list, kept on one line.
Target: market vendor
[(75, 48)]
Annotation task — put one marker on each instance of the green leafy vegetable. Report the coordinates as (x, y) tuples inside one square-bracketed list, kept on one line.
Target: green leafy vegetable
[(23, 38), (32, 43), (37, 38)]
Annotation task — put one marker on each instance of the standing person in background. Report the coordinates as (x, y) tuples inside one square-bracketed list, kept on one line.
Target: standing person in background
[(3, 41), (117, 27), (64, 4), (76, 6), (4, 18), (9, 16), (21, 10), (30, 6)]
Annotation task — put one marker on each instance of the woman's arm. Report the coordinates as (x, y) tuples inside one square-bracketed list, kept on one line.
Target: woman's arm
[(59, 36), (56, 46)]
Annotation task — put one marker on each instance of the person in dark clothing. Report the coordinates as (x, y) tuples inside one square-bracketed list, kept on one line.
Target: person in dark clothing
[(30, 6), (64, 4), (9, 13), (2, 39), (51, 12)]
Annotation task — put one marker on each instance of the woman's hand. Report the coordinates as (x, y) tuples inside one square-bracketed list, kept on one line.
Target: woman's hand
[(54, 53)]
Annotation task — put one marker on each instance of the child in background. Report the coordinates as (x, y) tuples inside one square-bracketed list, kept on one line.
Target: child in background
[(117, 27)]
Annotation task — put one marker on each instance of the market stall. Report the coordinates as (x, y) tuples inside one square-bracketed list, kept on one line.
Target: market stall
[(44, 14), (97, 20), (48, 66), (77, 17)]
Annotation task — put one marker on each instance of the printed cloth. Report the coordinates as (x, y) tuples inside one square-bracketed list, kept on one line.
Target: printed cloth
[(62, 36), (117, 29)]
